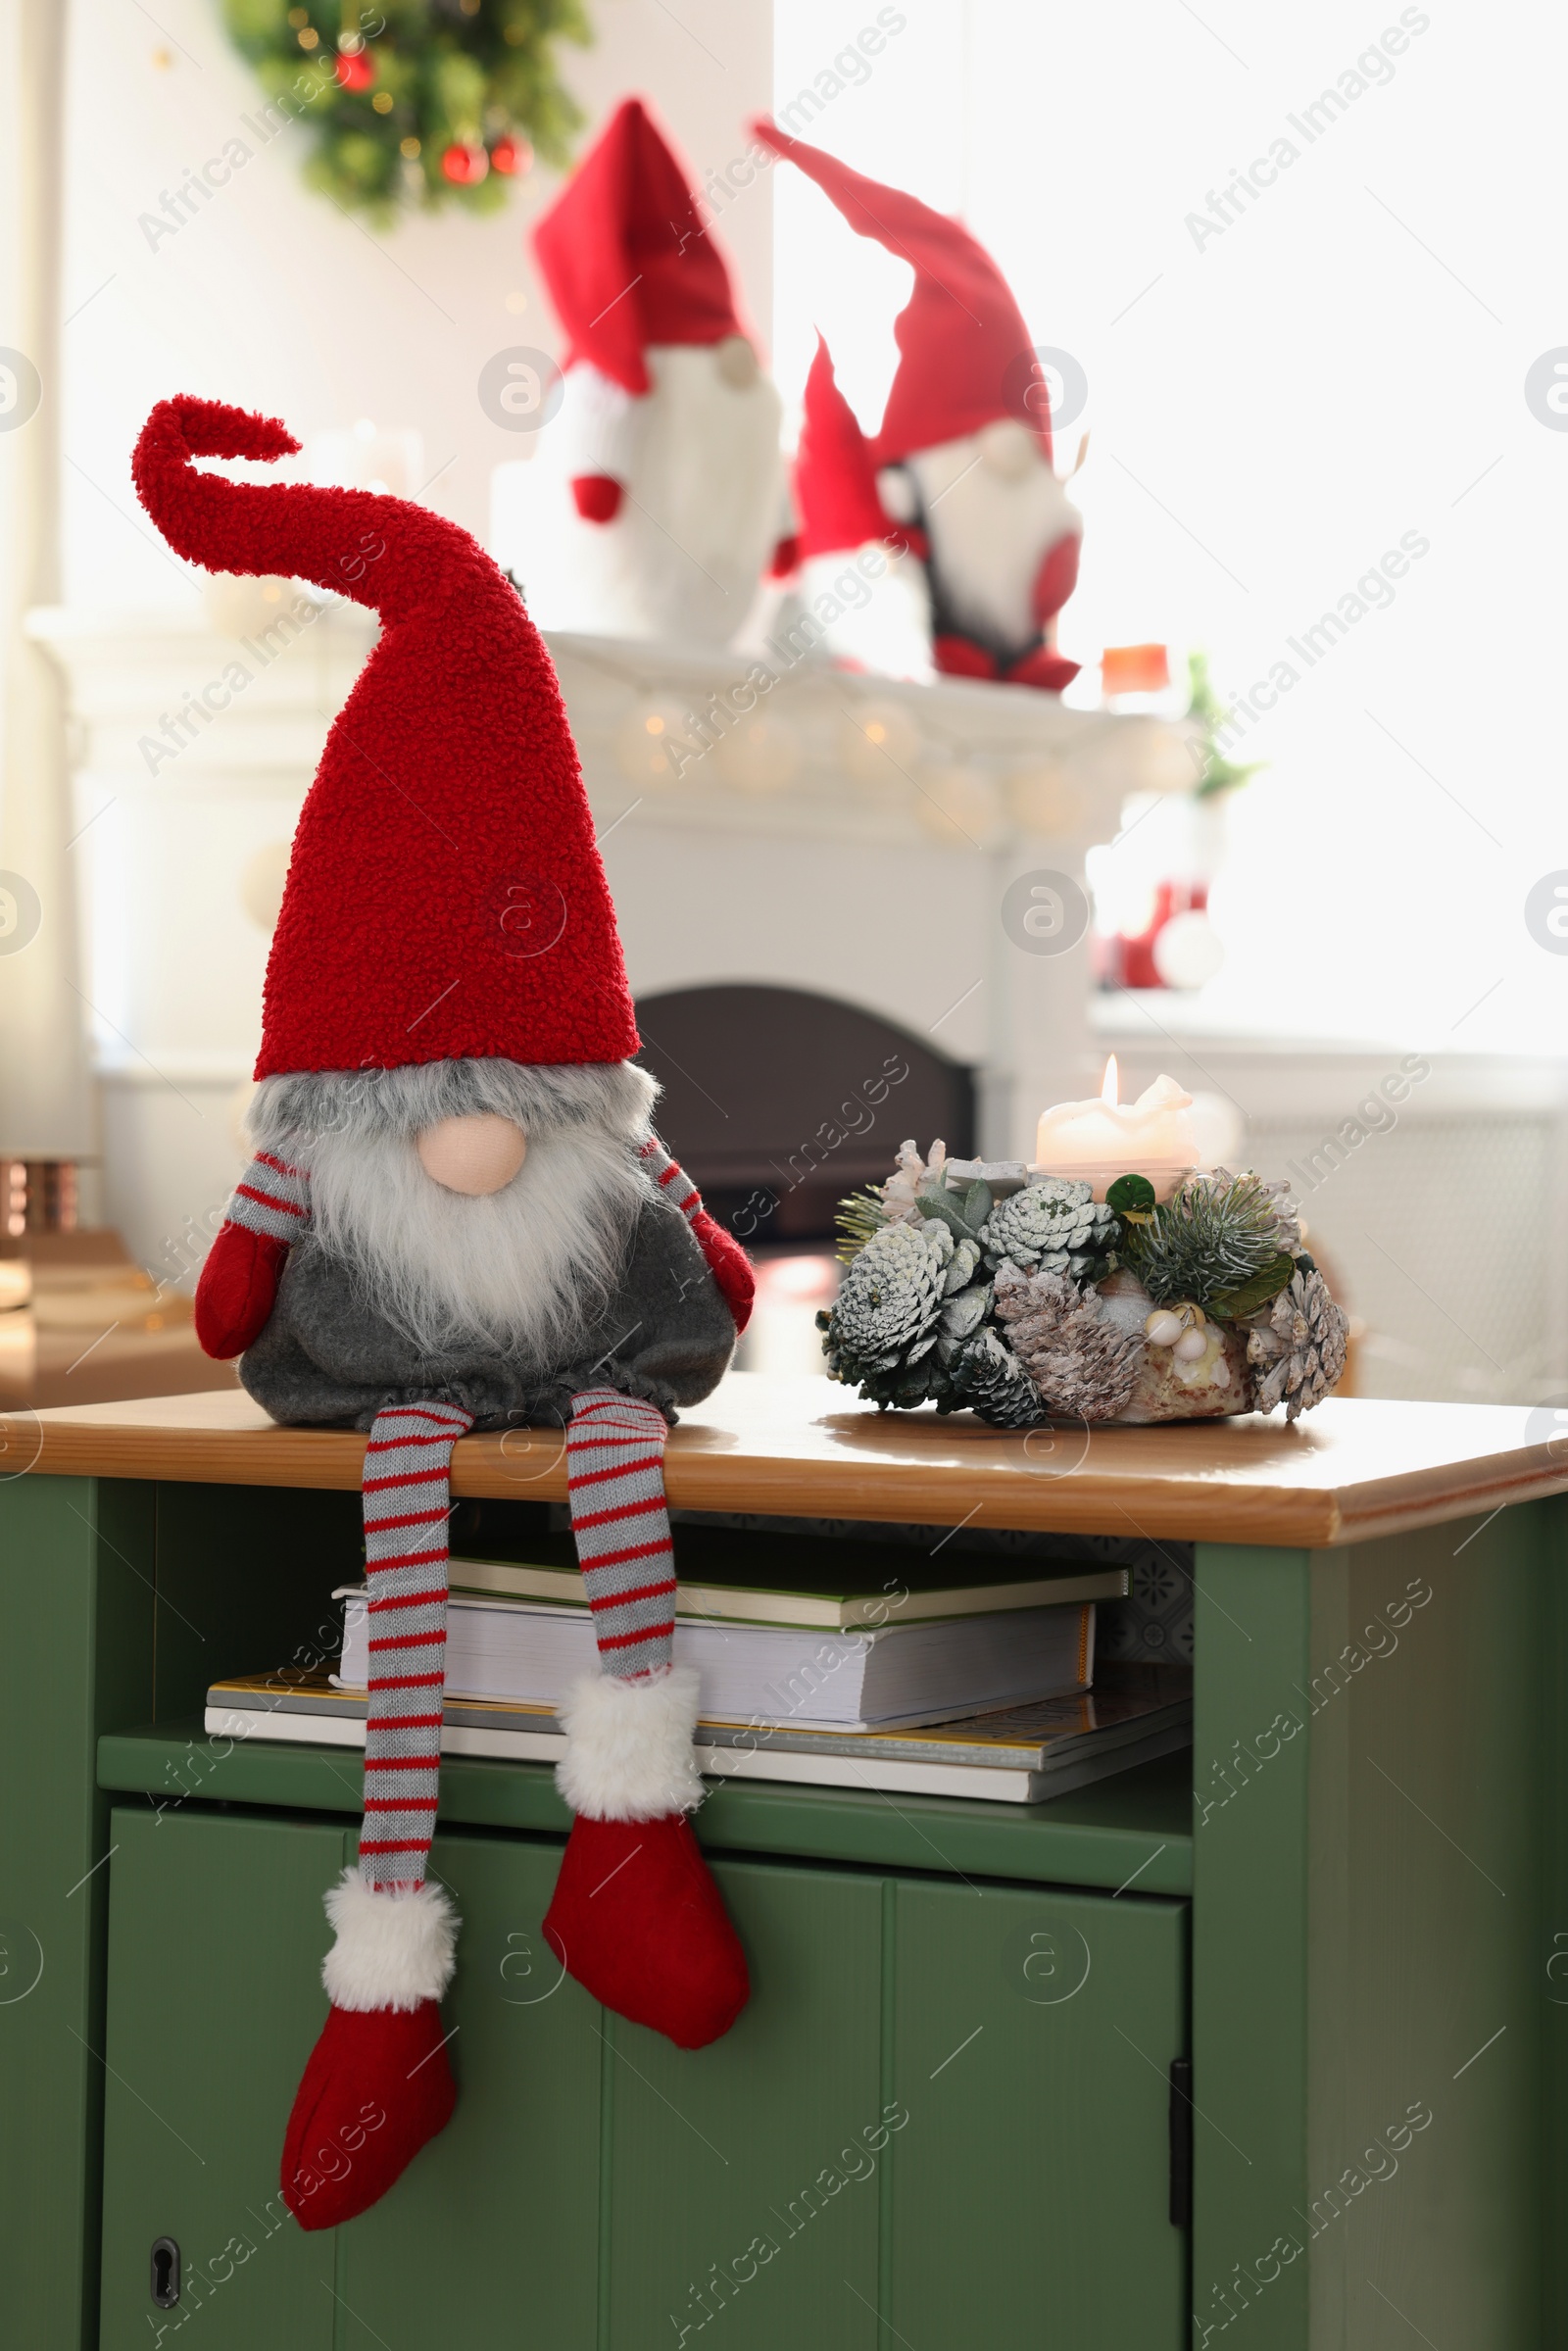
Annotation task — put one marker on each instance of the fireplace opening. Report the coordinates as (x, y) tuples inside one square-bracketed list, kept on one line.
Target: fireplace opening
[(777, 1101)]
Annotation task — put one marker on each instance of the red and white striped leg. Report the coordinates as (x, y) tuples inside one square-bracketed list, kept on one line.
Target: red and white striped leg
[(636, 1916), (379, 2084)]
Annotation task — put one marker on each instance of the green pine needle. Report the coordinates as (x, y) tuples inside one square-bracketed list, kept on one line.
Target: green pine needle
[(858, 1217), (1205, 1244)]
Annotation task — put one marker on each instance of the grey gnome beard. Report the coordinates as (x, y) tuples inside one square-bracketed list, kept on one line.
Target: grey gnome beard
[(524, 1269)]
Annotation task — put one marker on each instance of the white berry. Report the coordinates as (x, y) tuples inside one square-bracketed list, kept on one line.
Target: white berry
[(1190, 1347), (1162, 1328)]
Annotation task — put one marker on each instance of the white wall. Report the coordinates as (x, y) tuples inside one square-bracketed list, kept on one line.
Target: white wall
[(270, 298)]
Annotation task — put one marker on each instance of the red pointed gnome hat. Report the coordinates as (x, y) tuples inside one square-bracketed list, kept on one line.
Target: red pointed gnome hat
[(966, 350), (835, 476), (445, 899), (626, 254)]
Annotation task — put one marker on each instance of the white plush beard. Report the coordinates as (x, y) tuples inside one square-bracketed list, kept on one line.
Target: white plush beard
[(699, 461), (526, 1271), (990, 535)]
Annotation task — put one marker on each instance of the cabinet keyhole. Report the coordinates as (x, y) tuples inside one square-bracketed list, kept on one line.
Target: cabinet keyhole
[(166, 2273)]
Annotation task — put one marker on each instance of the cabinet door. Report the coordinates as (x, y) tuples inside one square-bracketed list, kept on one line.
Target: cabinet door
[(215, 1938), (490, 2240), (718, 2209), (1032, 2033)]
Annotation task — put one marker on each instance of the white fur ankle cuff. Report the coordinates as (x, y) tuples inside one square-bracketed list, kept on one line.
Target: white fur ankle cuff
[(393, 1950), (629, 1753)]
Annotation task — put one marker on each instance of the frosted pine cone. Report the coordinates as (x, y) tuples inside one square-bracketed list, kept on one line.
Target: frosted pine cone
[(1297, 1346), (1079, 1360), (988, 1378), (888, 1308), (1056, 1226)]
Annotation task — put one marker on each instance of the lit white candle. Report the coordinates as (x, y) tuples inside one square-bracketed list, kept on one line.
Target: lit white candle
[(1098, 1140)]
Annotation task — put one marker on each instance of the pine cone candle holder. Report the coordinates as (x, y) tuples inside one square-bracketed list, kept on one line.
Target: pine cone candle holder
[(993, 1288)]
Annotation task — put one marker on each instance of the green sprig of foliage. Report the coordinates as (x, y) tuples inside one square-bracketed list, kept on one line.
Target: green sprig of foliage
[(857, 1217), (1205, 1244), (1219, 774)]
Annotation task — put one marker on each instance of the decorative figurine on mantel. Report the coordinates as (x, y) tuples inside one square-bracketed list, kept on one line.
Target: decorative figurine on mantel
[(962, 458), (1111, 1282), (459, 1217), (652, 503), (861, 578)]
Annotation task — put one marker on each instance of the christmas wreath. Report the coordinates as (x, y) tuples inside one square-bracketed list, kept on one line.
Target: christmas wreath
[(413, 103), (1021, 1297)]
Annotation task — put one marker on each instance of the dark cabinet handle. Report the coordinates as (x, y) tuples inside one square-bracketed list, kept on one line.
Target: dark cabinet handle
[(1181, 2142), (166, 2273)]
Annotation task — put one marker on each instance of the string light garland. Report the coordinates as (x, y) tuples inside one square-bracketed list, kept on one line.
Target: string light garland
[(416, 103)]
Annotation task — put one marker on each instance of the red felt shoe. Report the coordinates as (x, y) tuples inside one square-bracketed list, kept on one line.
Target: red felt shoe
[(377, 2084), (377, 2087), (636, 1917)]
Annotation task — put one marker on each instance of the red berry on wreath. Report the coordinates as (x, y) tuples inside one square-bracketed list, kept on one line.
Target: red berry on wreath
[(512, 157), (353, 69), (464, 166)]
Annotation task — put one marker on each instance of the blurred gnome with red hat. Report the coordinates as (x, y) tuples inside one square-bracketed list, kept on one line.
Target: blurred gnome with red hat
[(459, 1217), (856, 573), (962, 458), (652, 505)]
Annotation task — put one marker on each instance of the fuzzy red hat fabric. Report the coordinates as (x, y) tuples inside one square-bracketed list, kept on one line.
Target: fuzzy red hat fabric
[(627, 256), (445, 898), (964, 348), (835, 480)]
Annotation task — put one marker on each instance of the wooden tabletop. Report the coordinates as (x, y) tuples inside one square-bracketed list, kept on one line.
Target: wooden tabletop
[(800, 1446)]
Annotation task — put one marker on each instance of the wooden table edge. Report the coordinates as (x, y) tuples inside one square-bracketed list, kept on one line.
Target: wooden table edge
[(524, 1466)]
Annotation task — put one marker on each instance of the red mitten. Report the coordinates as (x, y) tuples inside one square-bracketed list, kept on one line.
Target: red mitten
[(597, 496), (1057, 578), (637, 1919), (730, 1266), (786, 557), (238, 1287)]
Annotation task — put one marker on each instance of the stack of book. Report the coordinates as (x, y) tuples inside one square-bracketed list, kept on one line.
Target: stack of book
[(832, 1663)]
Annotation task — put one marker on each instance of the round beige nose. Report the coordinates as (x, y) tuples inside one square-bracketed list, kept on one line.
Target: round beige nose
[(472, 1155), (736, 362), (1009, 448)]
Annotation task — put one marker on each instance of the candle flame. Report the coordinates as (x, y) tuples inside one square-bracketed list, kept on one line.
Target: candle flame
[(1107, 1090)]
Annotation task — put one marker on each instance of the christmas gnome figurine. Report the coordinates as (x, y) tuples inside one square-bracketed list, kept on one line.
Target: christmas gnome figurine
[(652, 505), (963, 452), (458, 1217), (861, 576)]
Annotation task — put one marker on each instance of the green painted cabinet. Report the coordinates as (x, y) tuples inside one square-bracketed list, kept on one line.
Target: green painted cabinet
[(216, 1936), (942, 2118), (1032, 2035)]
